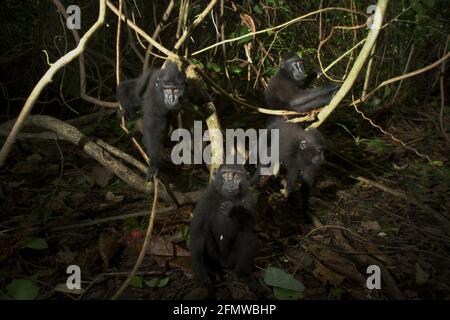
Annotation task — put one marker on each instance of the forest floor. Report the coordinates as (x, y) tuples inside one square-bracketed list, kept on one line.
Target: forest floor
[(372, 208)]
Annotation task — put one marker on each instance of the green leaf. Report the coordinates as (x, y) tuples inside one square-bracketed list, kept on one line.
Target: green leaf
[(36, 244), (257, 9), (285, 294), (336, 293), (157, 282), (429, 3), (214, 67), (276, 277), (22, 289), (136, 282), (387, 91), (186, 234), (376, 144), (418, 8), (244, 30), (416, 192), (196, 62), (235, 69), (376, 102)]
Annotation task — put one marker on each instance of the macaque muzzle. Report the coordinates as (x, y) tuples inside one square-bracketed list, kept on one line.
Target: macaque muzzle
[(172, 95), (231, 181)]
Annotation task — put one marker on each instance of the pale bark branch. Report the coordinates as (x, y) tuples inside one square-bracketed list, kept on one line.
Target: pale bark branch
[(359, 63), (46, 79)]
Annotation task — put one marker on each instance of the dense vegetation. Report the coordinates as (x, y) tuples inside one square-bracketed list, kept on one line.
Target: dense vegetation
[(383, 197)]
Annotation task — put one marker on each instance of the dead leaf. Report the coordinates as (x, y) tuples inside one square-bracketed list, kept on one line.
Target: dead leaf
[(112, 197), (101, 176), (371, 225), (324, 275), (301, 257), (66, 257), (184, 263), (162, 247), (62, 287), (197, 294), (107, 246), (58, 203), (16, 184), (421, 276)]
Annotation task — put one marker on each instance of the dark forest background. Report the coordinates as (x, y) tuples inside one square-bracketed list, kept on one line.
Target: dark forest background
[(382, 198)]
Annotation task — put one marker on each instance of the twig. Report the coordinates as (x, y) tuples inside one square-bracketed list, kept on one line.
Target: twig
[(328, 38), (46, 79), (155, 34), (363, 259), (145, 244), (109, 219), (354, 72), (369, 70), (383, 187), (82, 66), (67, 132), (119, 25), (122, 155), (338, 227), (441, 82), (281, 26), (403, 76), (141, 32), (444, 220), (408, 61), (194, 24), (391, 135)]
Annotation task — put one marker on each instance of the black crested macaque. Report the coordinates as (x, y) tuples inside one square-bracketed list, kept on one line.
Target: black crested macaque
[(222, 231), (302, 154), (288, 87), (160, 93)]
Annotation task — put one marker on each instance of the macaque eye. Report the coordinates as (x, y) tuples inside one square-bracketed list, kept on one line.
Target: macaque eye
[(157, 82)]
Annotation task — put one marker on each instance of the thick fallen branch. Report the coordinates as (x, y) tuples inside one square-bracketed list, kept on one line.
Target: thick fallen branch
[(98, 150)]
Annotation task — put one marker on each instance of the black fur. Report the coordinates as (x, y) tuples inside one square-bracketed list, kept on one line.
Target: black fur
[(288, 87), (301, 153), (160, 93), (222, 229)]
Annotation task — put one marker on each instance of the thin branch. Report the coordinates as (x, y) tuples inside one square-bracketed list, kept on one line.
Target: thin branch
[(148, 236), (141, 32), (281, 26), (95, 222), (64, 131), (46, 79), (194, 24), (408, 61), (391, 135), (362, 57), (369, 71), (441, 85), (155, 34), (403, 76), (83, 95)]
